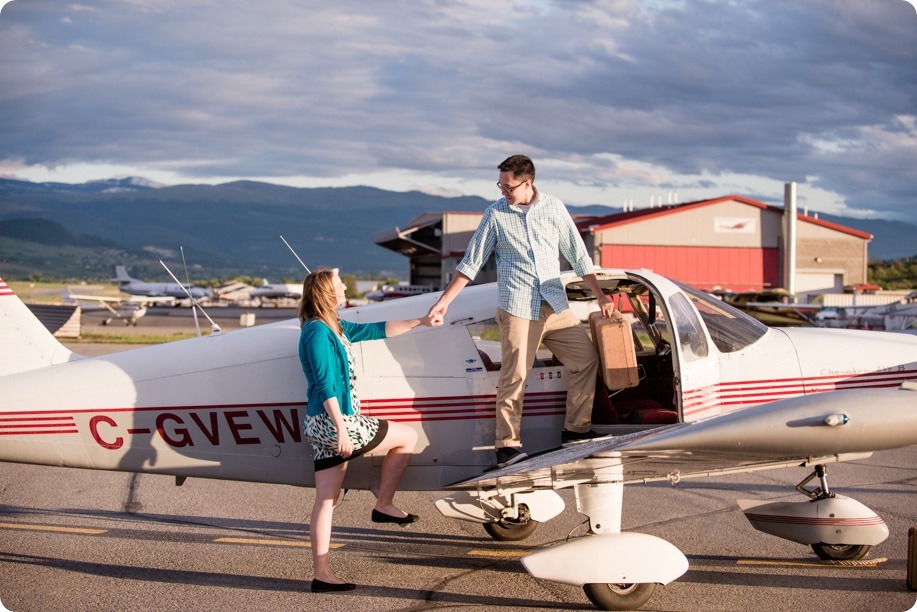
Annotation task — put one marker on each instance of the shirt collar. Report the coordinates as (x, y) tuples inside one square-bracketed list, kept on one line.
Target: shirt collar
[(535, 201)]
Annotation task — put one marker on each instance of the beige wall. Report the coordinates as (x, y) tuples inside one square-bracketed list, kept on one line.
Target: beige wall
[(458, 229), (820, 248), (713, 225)]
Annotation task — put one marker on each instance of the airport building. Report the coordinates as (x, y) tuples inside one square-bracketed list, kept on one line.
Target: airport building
[(732, 243)]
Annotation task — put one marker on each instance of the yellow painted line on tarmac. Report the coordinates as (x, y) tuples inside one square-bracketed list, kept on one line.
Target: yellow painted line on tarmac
[(789, 563), (262, 542), (57, 528), (510, 554)]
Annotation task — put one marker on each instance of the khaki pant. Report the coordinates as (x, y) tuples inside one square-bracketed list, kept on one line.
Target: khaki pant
[(567, 339)]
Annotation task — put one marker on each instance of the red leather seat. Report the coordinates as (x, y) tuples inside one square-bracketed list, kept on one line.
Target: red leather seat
[(628, 412)]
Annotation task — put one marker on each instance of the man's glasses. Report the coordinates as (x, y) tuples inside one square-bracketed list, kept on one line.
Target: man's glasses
[(509, 189)]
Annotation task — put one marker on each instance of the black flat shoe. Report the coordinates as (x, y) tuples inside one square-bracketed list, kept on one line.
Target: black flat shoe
[(382, 517), (320, 586)]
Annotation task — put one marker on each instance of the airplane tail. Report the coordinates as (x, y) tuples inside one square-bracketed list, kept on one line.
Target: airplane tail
[(25, 344), (121, 275)]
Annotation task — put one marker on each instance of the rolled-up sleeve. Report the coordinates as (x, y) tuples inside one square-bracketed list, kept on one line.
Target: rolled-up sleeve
[(572, 246), (359, 332), (481, 246)]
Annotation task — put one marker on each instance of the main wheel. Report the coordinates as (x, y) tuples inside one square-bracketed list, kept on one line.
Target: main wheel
[(619, 596), (513, 530), (840, 552)]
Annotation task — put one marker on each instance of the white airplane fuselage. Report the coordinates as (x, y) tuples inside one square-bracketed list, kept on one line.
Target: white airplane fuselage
[(231, 405), (716, 392)]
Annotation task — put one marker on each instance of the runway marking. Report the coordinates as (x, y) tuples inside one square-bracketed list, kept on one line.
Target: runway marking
[(513, 554), (842, 564), (33, 527), (261, 542)]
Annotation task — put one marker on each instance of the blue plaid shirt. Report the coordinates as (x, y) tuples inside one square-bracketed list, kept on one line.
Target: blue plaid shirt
[(527, 247)]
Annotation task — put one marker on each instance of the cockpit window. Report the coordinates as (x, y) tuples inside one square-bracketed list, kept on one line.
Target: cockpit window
[(691, 339), (730, 329)]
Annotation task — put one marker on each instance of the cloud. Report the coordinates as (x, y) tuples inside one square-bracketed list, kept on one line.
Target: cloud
[(614, 99)]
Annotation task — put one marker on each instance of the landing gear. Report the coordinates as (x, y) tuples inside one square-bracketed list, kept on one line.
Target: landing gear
[(619, 596), (510, 529), (840, 552), (829, 552), (836, 527)]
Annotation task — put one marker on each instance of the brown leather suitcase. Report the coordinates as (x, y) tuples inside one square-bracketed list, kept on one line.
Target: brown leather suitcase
[(912, 558), (614, 342)]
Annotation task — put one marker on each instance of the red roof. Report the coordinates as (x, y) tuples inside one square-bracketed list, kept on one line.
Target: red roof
[(633, 216)]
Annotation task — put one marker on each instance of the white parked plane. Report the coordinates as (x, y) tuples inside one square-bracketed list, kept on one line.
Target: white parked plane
[(718, 393), (130, 285), (276, 290)]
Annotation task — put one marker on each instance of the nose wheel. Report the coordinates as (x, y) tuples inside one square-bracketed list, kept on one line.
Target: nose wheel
[(619, 596), (841, 552)]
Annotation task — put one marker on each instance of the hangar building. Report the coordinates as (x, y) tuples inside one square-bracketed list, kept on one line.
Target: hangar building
[(732, 243)]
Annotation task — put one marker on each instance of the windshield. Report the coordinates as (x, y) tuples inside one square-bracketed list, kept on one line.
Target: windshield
[(730, 329)]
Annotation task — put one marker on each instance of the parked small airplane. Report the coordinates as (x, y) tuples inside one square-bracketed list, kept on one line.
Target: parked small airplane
[(128, 310), (276, 290), (775, 307), (394, 292), (130, 285), (718, 393)]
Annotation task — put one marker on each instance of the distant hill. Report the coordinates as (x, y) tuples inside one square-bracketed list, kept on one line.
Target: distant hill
[(57, 230), (226, 229)]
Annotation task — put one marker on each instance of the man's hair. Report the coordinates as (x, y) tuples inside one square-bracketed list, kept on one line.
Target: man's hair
[(319, 300), (521, 167)]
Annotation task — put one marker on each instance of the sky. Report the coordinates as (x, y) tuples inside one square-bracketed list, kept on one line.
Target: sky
[(618, 102)]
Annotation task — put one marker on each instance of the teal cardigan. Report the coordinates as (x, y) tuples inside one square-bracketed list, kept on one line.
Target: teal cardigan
[(324, 361)]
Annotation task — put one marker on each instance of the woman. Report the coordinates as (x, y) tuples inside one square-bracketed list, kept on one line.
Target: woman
[(334, 425)]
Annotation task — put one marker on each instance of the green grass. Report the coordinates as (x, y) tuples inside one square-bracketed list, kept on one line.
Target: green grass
[(97, 338), (42, 292)]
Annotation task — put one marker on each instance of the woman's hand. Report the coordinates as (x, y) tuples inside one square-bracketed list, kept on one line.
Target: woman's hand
[(432, 320), (345, 444)]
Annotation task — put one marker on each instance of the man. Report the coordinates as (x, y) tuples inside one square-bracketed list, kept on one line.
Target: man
[(529, 230)]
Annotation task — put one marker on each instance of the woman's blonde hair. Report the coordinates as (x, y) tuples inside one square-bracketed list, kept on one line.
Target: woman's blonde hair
[(319, 300)]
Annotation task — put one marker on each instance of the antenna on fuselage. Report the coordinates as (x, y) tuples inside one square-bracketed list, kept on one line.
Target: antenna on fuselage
[(184, 264), (214, 328), (308, 271)]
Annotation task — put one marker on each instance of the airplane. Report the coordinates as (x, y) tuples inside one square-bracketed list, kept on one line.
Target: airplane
[(718, 393), (276, 290), (394, 292), (133, 286), (128, 310), (775, 307)]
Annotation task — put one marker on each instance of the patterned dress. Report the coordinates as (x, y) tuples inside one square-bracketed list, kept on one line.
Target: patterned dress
[(365, 433)]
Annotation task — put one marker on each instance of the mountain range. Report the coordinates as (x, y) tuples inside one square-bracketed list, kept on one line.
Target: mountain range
[(61, 231)]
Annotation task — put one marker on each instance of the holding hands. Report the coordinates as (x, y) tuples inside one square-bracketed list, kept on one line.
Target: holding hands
[(432, 319)]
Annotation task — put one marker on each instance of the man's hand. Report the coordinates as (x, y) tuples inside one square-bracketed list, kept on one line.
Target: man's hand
[(607, 306), (438, 311)]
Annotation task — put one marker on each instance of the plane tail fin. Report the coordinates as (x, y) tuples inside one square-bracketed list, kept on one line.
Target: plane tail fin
[(121, 275), (25, 344)]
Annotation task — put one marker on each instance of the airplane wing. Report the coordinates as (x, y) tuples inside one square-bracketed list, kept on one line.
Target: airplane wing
[(95, 298), (823, 428), (132, 299)]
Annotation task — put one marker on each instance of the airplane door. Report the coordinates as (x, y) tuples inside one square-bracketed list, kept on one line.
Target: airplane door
[(695, 363)]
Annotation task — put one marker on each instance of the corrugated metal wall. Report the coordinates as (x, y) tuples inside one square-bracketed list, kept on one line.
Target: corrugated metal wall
[(737, 269)]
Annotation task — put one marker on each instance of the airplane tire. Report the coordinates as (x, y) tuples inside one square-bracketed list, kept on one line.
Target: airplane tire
[(840, 552), (619, 596), (512, 530)]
